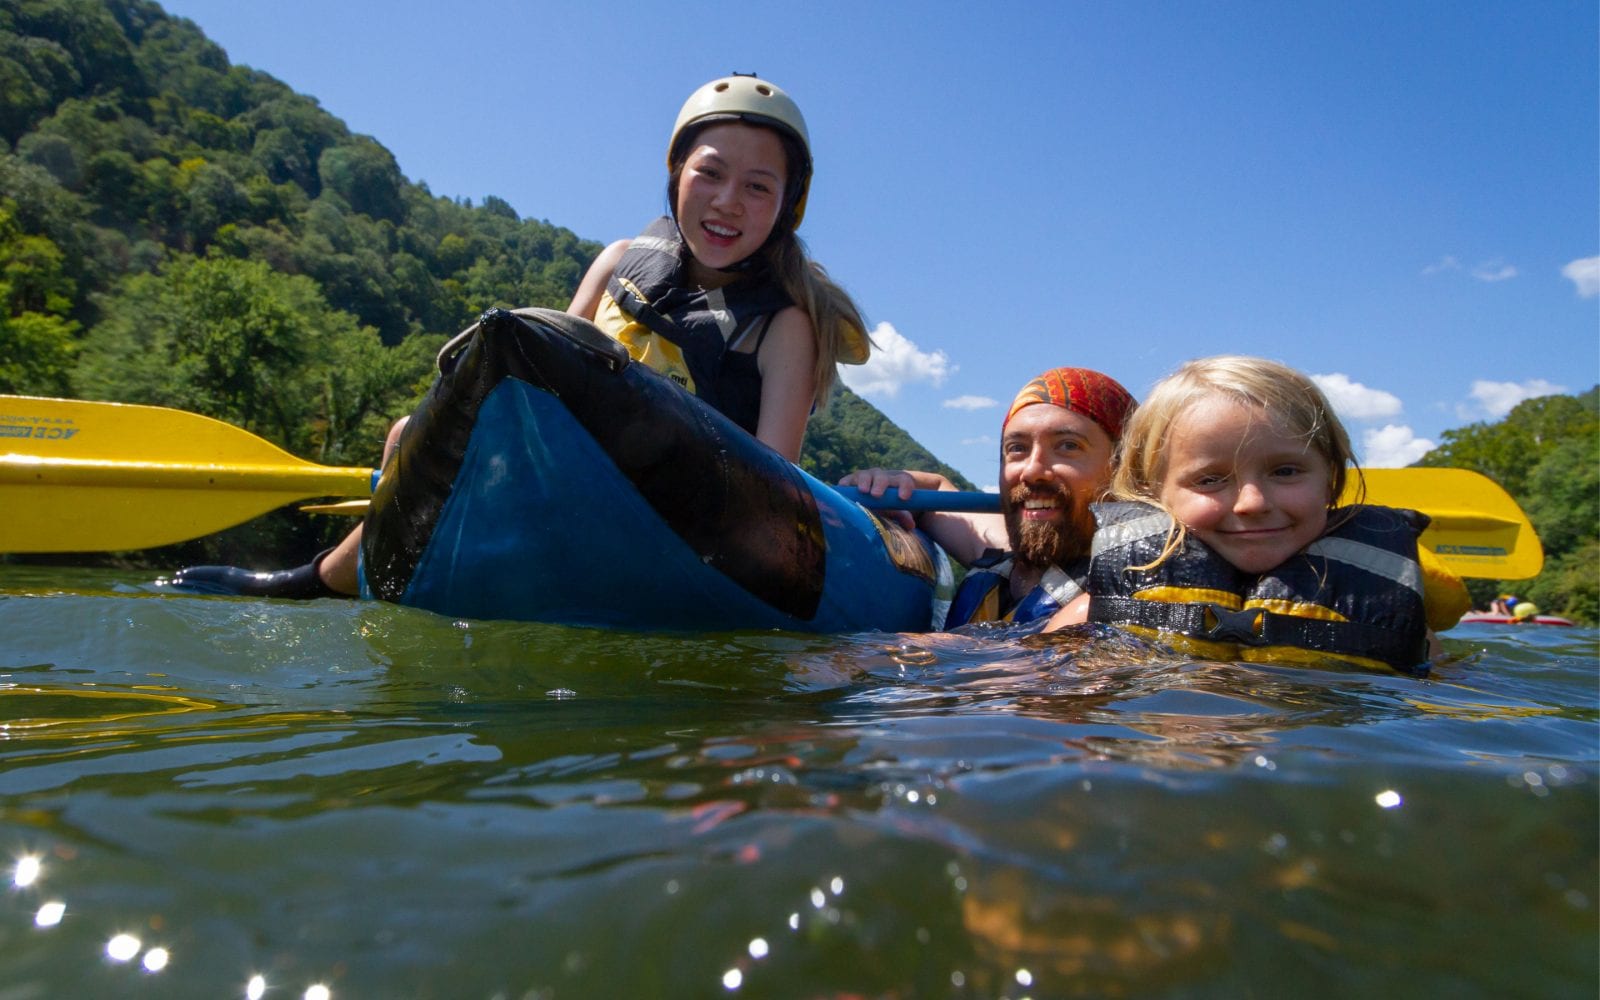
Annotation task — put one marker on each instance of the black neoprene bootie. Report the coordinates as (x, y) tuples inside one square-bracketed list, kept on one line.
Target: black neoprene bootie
[(300, 583)]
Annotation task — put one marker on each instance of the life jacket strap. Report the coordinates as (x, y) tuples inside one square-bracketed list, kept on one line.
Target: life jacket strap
[(1254, 627)]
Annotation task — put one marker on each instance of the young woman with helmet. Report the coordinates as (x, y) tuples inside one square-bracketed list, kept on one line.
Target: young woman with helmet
[(720, 296)]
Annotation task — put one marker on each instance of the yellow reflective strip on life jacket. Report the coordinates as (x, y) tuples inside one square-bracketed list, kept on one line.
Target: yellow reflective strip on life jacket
[(1296, 609), (1200, 649), (1191, 595), (1310, 658), (644, 345)]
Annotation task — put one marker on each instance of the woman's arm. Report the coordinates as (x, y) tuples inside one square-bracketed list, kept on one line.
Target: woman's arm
[(787, 361), (586, 300)]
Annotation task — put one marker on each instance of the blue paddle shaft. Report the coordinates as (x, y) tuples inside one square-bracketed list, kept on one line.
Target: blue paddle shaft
[(948, 500)]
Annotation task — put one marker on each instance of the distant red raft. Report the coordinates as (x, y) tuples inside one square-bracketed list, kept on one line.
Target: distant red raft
[(1490, 618)]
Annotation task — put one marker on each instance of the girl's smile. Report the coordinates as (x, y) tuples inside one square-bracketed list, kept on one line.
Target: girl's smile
[(1253, 493)]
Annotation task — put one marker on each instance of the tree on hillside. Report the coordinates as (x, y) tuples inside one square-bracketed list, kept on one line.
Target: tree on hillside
[(851, 434), (189, 232), (37, 340), (260, 349), (1507, 450), (1546, 454)]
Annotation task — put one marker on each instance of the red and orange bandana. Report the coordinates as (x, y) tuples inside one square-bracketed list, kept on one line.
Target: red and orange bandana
[(1099, 397)]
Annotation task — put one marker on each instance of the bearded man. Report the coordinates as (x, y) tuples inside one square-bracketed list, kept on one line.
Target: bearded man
[(1056, 448)]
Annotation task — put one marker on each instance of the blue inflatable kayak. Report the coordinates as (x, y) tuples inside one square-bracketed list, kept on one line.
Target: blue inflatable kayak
[(546, 477)]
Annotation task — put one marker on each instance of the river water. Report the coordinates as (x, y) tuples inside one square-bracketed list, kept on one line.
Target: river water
[(215, 797)]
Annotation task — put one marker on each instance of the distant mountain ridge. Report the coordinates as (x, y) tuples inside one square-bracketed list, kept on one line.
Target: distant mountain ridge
[(141, 168)]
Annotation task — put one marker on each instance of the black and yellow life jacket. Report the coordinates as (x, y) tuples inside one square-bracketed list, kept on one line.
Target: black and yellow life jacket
[(985, 592), (685, 332), (1355, 594)]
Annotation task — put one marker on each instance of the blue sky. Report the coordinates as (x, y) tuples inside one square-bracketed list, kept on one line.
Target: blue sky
[(1401, 198)]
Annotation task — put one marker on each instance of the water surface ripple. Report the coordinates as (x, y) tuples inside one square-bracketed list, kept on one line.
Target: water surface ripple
[(233, 798)]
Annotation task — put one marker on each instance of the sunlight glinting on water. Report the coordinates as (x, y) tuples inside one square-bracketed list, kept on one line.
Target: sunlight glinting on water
[(891, 764), (27, 871), (760, 948), (122, 948)]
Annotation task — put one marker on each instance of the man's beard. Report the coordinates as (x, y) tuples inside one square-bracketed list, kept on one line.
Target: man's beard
[(1052, 543)]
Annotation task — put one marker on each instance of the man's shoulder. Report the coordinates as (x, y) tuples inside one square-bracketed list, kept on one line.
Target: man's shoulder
[(991, 559)]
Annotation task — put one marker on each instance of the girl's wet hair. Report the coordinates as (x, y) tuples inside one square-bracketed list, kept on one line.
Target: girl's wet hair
[(1291, 401)]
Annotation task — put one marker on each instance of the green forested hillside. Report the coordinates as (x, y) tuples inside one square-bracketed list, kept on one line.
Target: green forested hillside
[(1546, 453), (175, 229), (851, 434)]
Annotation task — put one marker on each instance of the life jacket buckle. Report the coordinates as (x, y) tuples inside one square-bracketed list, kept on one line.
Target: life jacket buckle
[(1245, 627)]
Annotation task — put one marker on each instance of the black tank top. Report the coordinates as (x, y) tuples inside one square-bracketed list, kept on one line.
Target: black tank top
[(738, 391)]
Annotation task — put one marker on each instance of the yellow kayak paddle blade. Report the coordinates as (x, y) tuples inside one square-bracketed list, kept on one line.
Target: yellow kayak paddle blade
[(1477, 529), (78, 476)]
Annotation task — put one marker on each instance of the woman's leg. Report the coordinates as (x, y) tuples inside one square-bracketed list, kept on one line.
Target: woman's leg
[(331, 573), (336, 568)]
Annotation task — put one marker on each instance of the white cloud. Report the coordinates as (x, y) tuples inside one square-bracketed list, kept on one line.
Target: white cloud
[(1393, 446), (970, 403), (1443, 264), (1494, 270), (1584, 273), (896, 362), (1354, 401), (1497, 398)]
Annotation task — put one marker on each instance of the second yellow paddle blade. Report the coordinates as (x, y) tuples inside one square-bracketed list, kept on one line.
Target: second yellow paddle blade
[(1477, 529)]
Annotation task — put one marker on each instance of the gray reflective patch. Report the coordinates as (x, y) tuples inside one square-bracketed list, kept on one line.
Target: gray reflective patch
[(1381, 562), (655, 243), (1114, 536), (1059, 585), (717, 305)]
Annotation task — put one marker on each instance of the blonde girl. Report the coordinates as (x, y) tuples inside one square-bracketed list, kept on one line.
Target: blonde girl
[(1230, 532)]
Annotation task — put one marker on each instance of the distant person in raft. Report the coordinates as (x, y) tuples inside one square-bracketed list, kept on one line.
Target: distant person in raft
[(1514, 607), (1056, 446), (1225, 538), (720, 296)]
